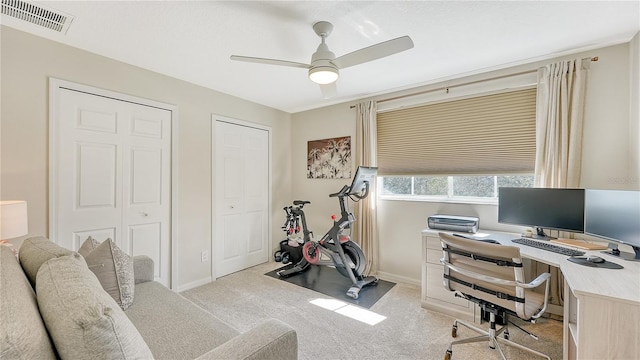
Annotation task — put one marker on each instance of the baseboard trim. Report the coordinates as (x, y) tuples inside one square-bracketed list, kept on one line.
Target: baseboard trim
[(194, 284), (398, 278), (555, 309)]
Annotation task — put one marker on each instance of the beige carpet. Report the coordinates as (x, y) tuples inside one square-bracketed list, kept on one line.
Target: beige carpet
[(408, 331)]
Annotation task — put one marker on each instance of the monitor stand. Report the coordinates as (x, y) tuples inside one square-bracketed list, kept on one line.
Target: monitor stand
[(624, 255), (541, 235)]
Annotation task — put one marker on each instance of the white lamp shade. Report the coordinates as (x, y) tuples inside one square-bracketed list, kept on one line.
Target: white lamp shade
[(13, 219)]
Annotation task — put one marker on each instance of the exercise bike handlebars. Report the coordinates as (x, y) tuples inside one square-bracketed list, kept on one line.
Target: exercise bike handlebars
[(366, 191), (341, 193), (345, 191)]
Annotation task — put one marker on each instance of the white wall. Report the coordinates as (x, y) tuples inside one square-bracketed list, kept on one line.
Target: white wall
[(606, 148), (28, 61), (634, 112), (606, 159), (324, 123)]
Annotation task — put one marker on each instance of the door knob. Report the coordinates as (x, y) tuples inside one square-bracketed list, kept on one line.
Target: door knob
[(144, 214)]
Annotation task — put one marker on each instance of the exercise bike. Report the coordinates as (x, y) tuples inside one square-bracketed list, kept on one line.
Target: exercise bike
[(336, 246)]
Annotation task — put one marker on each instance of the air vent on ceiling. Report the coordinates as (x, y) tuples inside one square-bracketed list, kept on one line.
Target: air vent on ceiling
[(37, 14)]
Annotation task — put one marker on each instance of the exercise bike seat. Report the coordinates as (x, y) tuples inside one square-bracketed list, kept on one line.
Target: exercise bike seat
[(301, 202)]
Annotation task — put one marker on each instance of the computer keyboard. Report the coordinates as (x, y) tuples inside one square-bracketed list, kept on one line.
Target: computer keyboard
[(549, 247)]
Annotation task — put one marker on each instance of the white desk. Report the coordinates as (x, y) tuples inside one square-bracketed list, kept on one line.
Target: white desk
[(601, 306)]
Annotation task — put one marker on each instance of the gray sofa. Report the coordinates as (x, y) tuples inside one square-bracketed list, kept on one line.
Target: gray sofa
[(73, 317)]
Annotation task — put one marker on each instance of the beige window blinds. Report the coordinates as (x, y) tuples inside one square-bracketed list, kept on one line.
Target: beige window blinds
[(491, 134)]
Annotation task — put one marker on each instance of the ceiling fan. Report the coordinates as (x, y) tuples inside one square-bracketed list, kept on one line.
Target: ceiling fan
[(325, 66)]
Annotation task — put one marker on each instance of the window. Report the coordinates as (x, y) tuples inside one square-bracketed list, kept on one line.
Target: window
[(479, 188)]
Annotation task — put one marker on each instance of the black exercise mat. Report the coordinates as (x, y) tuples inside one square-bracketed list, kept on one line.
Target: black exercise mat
[(330, 282)]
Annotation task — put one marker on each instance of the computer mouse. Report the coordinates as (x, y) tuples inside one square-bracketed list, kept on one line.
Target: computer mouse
[(595, 259)]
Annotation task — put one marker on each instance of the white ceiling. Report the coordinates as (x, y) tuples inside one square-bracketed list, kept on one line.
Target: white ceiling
[(192, 40)]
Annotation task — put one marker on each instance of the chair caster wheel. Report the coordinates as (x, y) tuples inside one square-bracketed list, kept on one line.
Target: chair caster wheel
[(454, 331), (447, 355)]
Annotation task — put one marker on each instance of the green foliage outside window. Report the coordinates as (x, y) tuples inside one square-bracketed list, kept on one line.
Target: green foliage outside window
[(453, 187), (431, 185)]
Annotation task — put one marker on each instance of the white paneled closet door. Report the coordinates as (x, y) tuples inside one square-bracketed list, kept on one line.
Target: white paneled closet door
[(113, 175), (241, 188)]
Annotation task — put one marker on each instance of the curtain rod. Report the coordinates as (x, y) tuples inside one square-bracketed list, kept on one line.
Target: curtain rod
[(446, 88)]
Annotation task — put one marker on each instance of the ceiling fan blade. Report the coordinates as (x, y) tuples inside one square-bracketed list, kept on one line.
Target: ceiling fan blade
[(269, 61), (374, 52), (328, 90)]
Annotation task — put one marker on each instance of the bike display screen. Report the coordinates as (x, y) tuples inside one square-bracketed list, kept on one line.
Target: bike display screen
[(363, 176)]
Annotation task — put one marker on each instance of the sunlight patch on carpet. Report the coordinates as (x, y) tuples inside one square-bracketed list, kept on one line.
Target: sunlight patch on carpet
[(357, 313)]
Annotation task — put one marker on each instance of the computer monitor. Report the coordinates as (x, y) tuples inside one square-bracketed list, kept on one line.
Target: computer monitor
[(542, 208), (364, 176), (614, 215)]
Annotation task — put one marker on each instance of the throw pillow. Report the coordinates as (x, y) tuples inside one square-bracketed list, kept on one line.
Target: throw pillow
[(22, 332), (88, 246), (114, 269), (35, 251), (83, 320)]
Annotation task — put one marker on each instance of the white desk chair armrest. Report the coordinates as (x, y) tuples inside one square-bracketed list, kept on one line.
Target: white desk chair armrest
[(538, 281), (542, 278)]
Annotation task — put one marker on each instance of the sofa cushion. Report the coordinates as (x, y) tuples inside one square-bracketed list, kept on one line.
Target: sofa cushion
[(88, 246), (83, 320), (36, 251), (22, 332), (142, 268), (160, 314), (114, 269)]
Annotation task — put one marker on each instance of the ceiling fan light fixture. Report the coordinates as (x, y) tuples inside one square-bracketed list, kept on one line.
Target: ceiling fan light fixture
[(323, 75)]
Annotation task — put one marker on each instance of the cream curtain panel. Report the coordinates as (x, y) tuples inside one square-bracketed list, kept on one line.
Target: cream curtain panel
[(559, 113), (366, 227), (559, 116)]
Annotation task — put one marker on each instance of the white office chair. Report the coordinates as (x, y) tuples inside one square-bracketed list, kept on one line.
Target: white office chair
[(491, 275)]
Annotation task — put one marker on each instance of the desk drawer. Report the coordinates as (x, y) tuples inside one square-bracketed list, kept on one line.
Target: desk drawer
[(433, 243), (436, 290), (434, 256)]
